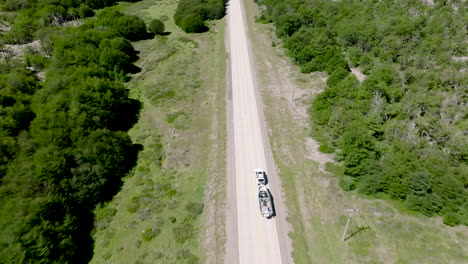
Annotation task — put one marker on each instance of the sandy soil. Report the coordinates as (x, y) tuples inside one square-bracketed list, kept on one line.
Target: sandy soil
[(359, 75), (18, 50), (461, 59)]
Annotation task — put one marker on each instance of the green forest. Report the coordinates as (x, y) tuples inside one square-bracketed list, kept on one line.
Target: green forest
[(402, 132), (63, 139)]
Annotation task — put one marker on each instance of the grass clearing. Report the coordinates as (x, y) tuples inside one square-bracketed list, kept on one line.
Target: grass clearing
[(166, 205), (380, 232)]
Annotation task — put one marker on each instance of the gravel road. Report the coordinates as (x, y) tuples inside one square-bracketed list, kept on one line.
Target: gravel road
[(251, 238)]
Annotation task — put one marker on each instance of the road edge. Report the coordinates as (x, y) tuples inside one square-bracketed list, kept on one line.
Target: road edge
[(231, 251), (283, 226)]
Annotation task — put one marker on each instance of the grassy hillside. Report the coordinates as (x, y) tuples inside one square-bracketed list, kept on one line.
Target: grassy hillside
[(165, 212)]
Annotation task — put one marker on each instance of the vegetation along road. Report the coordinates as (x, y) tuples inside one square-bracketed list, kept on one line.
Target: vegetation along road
[(132, 131)]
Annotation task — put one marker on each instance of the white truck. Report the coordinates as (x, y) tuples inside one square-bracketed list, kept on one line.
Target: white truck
[(261, 179), (264, 198)]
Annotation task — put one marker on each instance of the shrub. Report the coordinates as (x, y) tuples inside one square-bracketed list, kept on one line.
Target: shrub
[(413, 202), (159, 221), (451, 219), (14, 5), (104, 216), (107, 255), (194, 208), (336, 76), (369, 185), (150, 233), (190, 15), (134, 205), (326, 148), (35, 60), (171, 117), (173, 204), (347, 184), (183, 232), (114, 59), (96, 4), (187, 256), (22, 29), (171, 192), (85, 11), (156, 26), (192, 23), (173, 219), (131, 27), (144, 213)]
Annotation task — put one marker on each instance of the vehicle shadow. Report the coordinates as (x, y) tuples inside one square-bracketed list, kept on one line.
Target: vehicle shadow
[(272, 204), (266, 177)]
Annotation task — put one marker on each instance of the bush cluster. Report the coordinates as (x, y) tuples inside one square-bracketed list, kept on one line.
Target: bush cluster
[(17, 87), (183, 232), (16, 5), (65, 141), (156, 27), (32, 15), (149, 234), (41, 14), (191, 15)]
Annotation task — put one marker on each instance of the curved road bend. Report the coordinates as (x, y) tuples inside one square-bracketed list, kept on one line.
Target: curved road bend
[(257, 236)]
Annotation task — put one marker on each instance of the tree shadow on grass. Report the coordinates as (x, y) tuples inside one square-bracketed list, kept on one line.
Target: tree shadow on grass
[(132, 69), (273, 214), (126, 116), (86, 226), (357, 231)]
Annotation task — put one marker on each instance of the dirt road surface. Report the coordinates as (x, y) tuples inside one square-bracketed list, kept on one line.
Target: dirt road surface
[(251, 238)]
